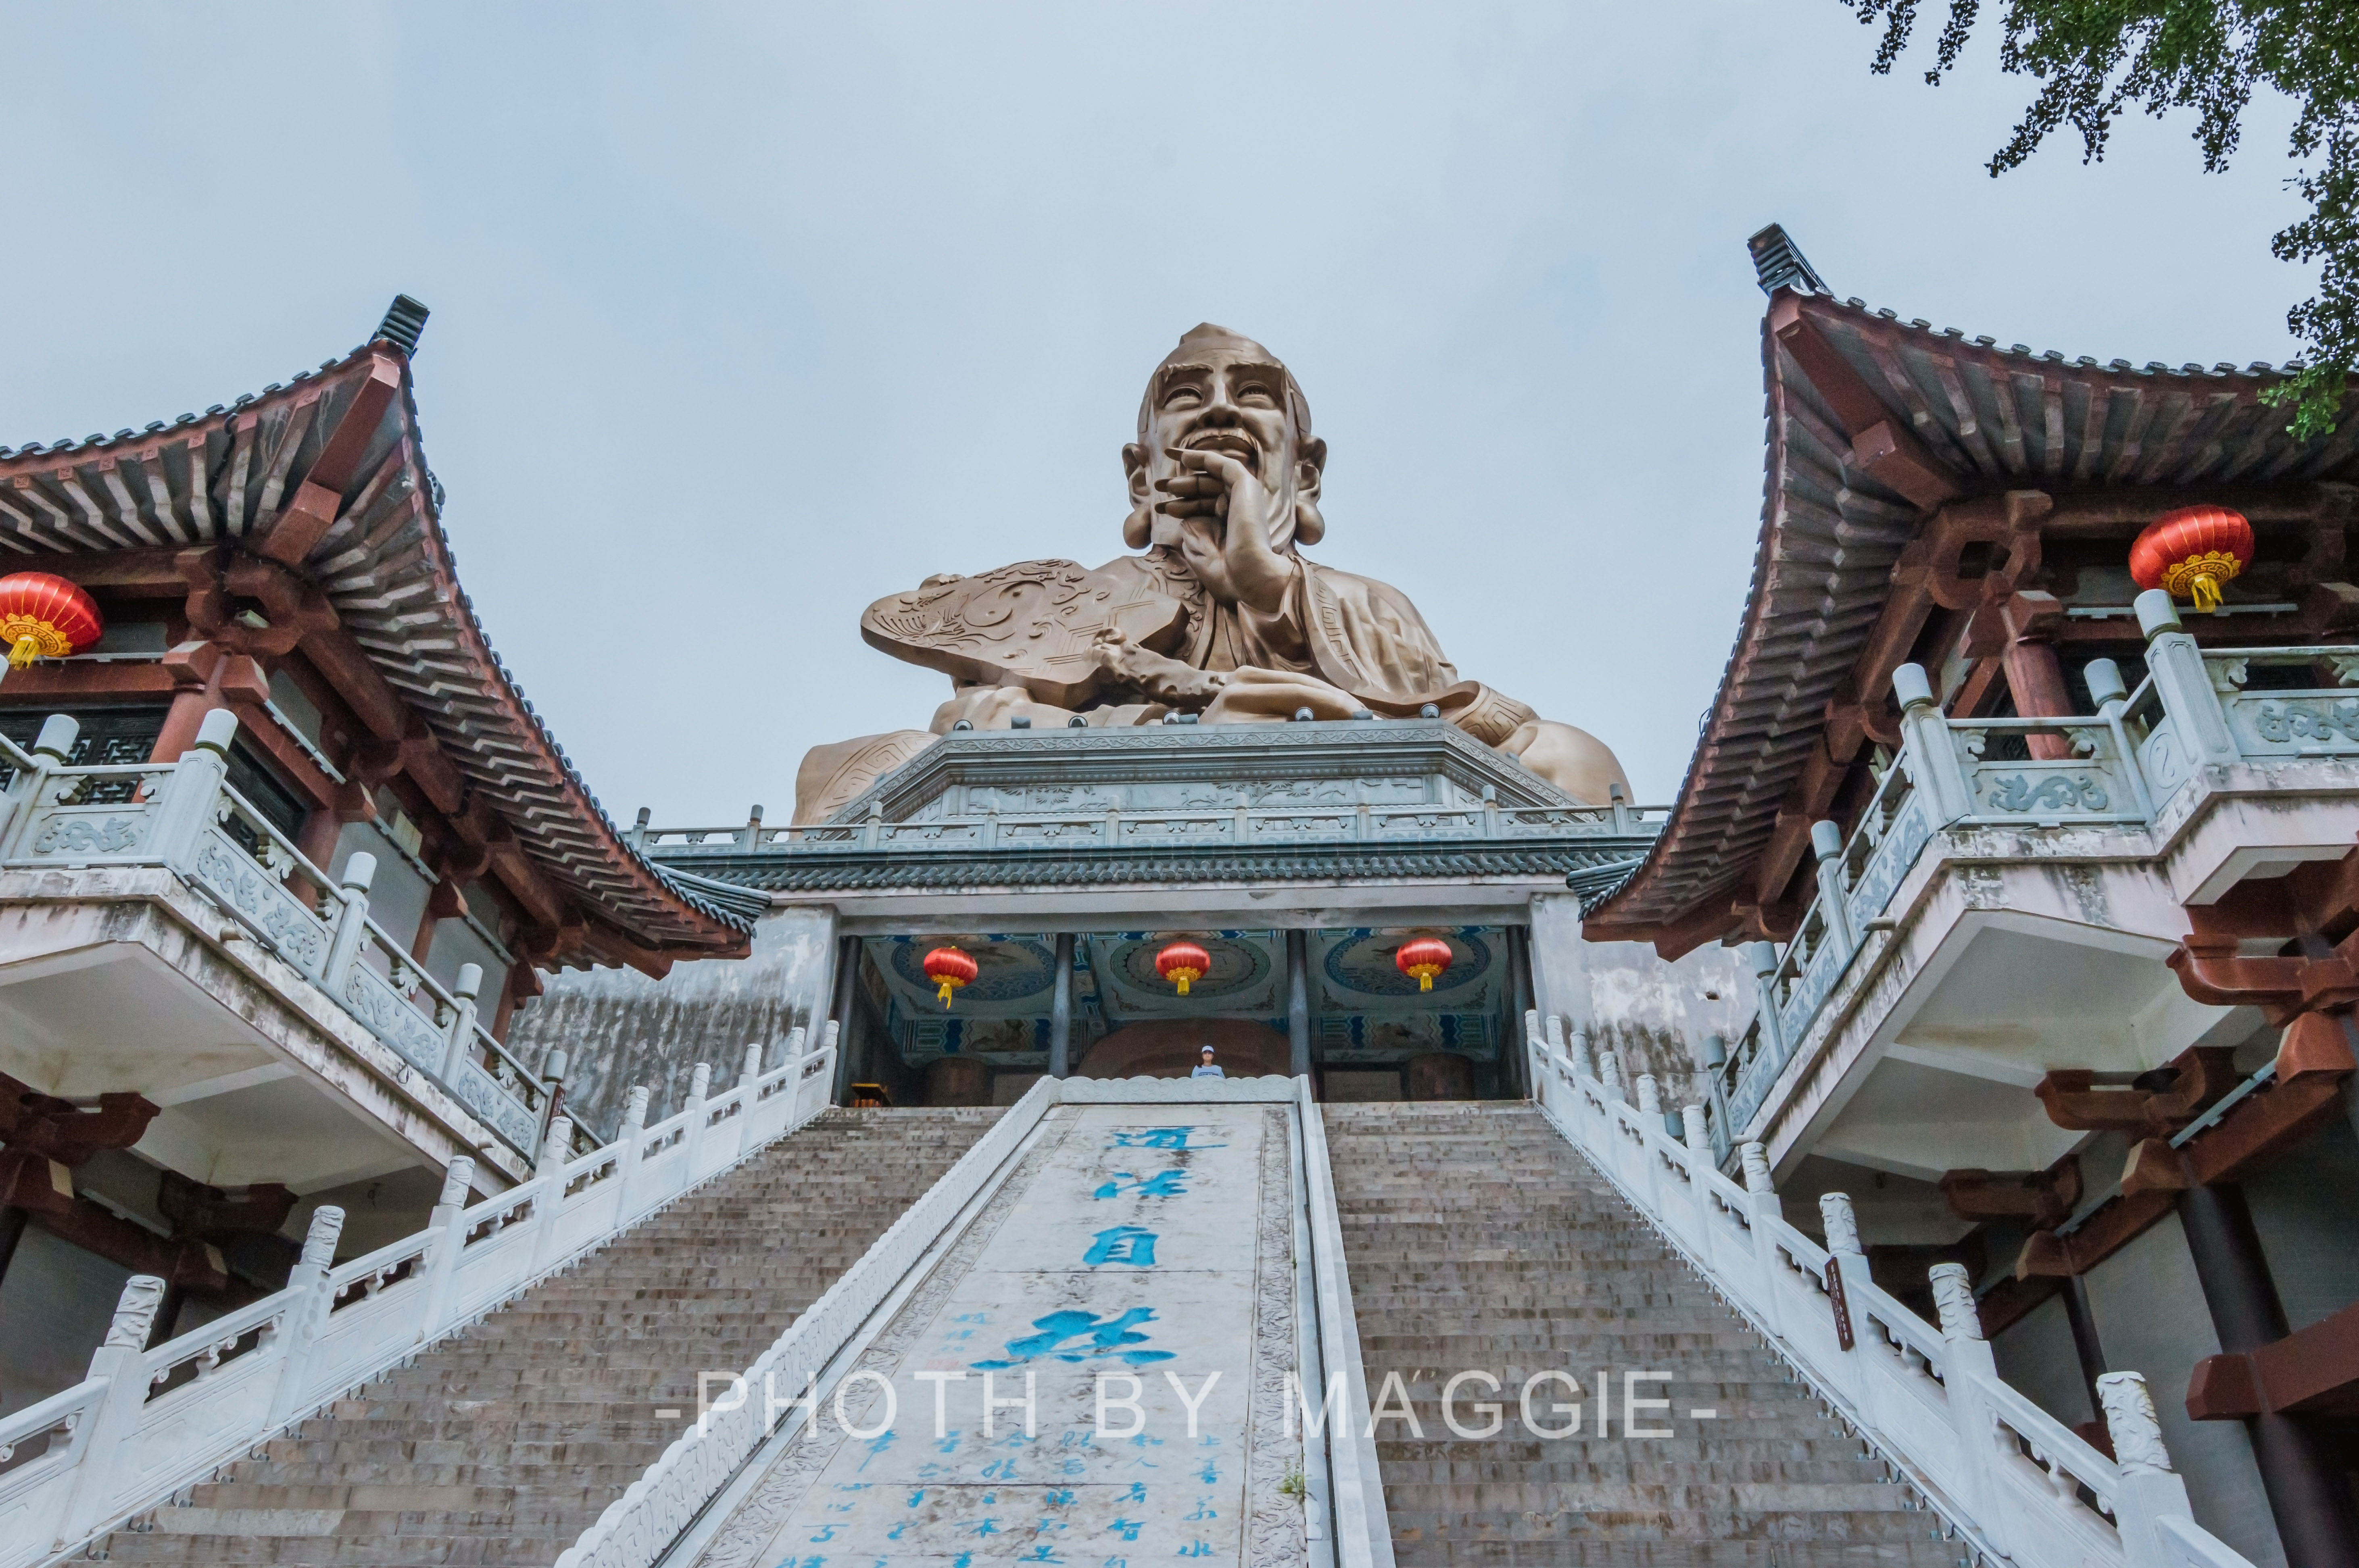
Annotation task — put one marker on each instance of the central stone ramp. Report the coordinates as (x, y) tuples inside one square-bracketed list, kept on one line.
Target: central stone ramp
[(1479, 1239), (1137, 1261), (501, 1444)]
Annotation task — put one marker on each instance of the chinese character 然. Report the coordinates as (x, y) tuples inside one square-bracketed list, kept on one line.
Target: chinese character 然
[(1162, 1184), (1105, 1338), (1156, 1138), (1123, 1244)]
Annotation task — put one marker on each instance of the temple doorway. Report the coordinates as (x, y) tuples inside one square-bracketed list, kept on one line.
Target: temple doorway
[(1371, 1032)]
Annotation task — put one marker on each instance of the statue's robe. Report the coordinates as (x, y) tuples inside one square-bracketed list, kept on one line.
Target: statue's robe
[(1355, 634), (1017, 642)]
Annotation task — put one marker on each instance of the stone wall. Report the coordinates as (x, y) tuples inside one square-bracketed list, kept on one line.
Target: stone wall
[(1653, 1014), (620, 1028)]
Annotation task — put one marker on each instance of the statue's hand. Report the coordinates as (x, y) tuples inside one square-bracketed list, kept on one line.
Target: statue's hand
[(1164, 679), (1215, 485)]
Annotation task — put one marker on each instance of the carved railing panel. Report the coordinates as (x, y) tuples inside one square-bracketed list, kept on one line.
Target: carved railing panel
[(146, 1423)]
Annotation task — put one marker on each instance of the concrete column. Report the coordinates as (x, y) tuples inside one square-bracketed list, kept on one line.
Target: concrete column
[(2307, 1491), (1519, 1003), (2086, 1344), (1061, 1010), (1298, 1004), (12, 1230), (839, 1012)]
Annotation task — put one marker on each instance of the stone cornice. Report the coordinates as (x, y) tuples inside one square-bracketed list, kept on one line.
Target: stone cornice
[(813, 869)]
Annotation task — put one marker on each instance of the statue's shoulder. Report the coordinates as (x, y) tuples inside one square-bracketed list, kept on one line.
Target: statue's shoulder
[(1333, 583), (1158, 571)]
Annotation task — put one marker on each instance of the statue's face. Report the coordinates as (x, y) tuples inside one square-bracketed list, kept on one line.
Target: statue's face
[(1229, 397)]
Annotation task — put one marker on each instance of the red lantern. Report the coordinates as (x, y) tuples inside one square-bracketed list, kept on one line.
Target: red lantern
[(1422, 958), (44, 617), (1182, 962), (2191, 552), (949, 969)]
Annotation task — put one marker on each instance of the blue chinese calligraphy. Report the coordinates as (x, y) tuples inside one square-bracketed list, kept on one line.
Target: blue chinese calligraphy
[(1123, 1244), (1158, 1138), (1162, 1184), (1061, 1329)]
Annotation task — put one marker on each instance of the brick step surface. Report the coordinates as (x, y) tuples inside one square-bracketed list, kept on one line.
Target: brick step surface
[(1478, 1239), (503, 1443)]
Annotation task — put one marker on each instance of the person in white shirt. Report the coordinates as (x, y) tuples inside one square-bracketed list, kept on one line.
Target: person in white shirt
[(1205, 1068)]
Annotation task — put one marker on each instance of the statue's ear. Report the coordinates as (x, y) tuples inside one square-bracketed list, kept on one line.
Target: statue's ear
[(1139, 527), (1309, 527)]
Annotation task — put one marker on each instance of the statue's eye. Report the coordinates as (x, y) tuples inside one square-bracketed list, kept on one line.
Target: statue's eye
[(1181, 397), (1255, 395)]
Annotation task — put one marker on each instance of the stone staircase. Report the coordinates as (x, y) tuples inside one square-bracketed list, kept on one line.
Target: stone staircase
[(1477, 1238), (501, 1444)]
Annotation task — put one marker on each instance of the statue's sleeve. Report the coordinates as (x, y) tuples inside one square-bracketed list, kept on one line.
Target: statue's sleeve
[(1367, 637)]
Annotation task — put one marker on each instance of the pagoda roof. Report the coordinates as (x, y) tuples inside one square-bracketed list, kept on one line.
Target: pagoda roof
[(326, 474), (1874, 426)]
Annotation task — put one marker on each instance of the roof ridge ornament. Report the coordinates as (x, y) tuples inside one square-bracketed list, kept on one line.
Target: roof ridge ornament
[(1779, 263), (405, 318)]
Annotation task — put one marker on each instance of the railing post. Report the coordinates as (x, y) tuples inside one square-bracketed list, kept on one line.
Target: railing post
[(1967, 1368), (1576, 1051), (448, 1223), (1697, 1135), (352, 921), (455, 1055), (1761, 1206), (1694, 1131), (550, 1171), (1609, 1074), (1927, 744), (748, 1138), (1650, 1098), (1848, 1262), (1715, 1067), (2150, 1492), (185, 810), (1619, 799), (1764, 957), (1827, 844), (51, 749), (2176, 665), (629, 1140), (309, 1301), (700, 1083), (2111, 694), (121, 1361)]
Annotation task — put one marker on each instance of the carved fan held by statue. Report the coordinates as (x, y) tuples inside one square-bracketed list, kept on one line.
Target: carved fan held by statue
[(1033, 624)]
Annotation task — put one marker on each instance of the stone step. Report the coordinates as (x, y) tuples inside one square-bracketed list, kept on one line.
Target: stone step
[(503, 1443), (1478, 1239)]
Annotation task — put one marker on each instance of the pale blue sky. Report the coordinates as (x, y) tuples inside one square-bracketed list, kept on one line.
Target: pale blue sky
[(745, 316)]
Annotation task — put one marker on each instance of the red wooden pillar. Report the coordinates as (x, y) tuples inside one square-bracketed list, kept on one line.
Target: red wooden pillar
[(207, 677), (2035, 677)]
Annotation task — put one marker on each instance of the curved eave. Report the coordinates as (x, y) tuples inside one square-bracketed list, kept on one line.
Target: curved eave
[(234, 474), (1994, 419)]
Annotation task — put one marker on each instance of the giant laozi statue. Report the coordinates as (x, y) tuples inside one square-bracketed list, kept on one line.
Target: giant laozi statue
[(1221, 616)]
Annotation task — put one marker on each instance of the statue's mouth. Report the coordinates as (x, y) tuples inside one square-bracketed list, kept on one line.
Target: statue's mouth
[(1234, 443)]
